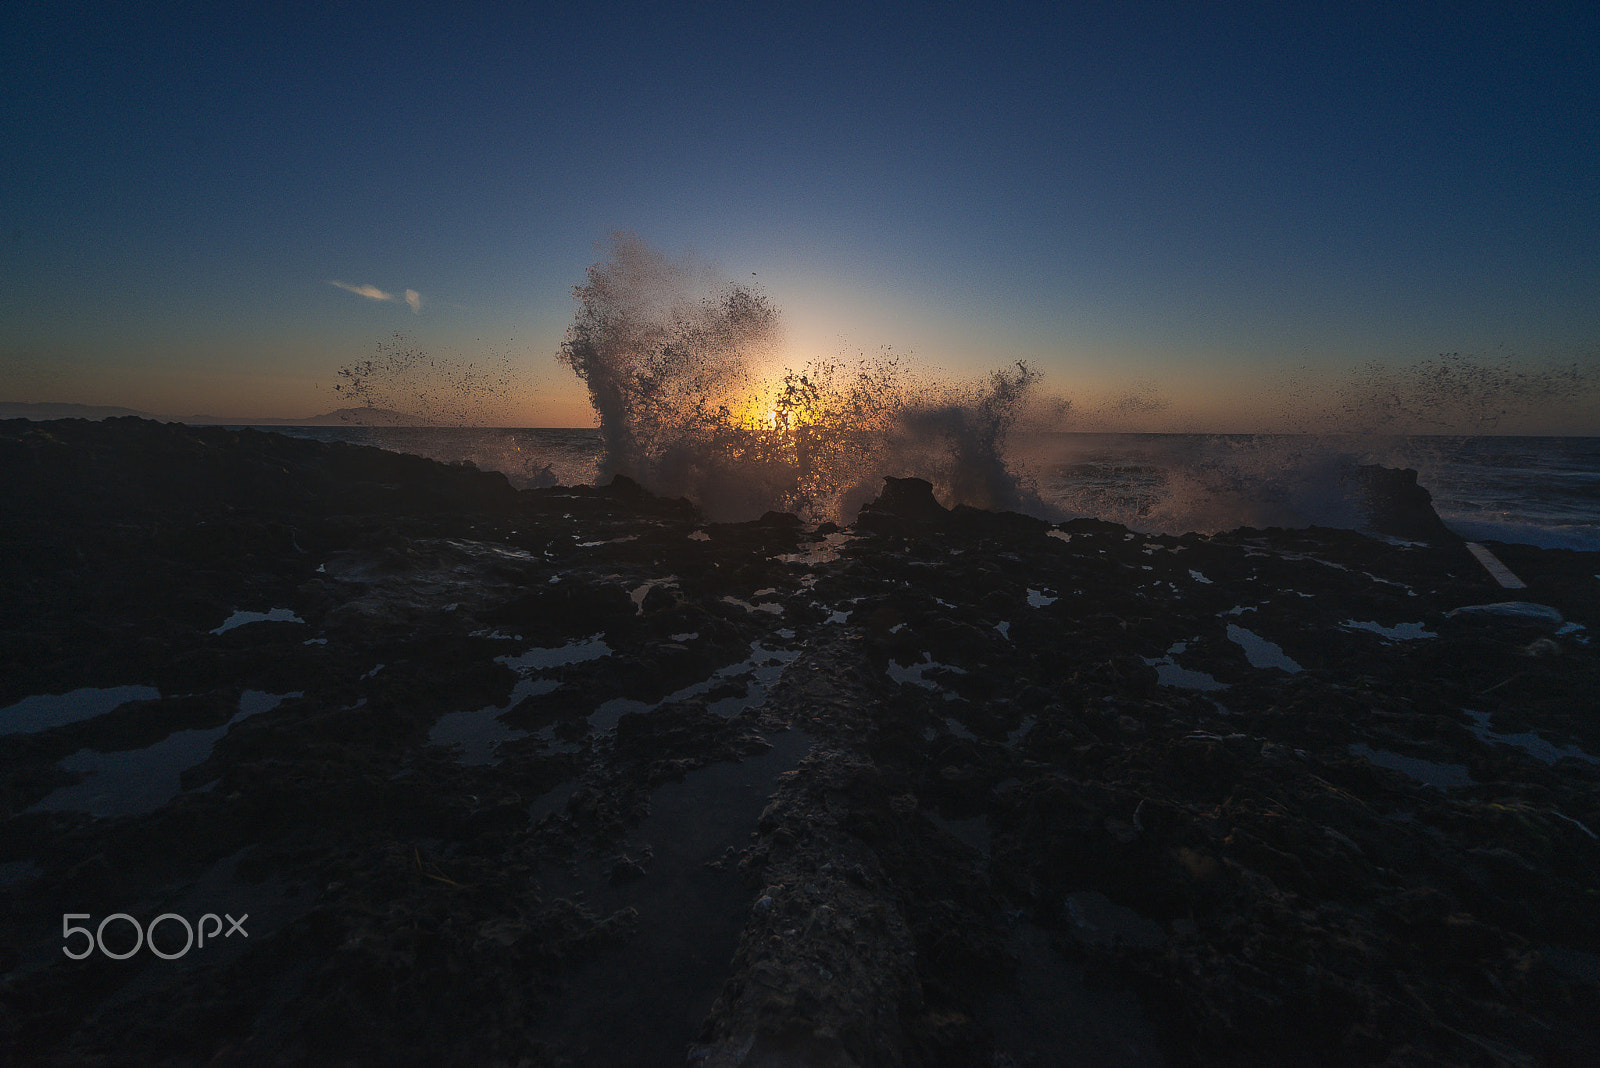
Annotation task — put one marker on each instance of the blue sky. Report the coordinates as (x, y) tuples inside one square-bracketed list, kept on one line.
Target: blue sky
[(1226, 203)]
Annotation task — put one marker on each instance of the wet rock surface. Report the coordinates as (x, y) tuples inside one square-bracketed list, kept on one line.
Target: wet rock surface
[(571, 777)]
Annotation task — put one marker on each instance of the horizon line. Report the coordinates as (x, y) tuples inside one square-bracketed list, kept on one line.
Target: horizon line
[(322, 421)]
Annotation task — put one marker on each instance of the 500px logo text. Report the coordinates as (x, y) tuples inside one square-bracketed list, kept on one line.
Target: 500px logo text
[(146, 935)]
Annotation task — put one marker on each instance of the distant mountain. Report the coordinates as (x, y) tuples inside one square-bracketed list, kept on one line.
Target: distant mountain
[(22, 410), (340, 417)]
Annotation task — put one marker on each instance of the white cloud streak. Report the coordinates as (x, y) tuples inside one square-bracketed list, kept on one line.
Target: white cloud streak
[(412, 297)]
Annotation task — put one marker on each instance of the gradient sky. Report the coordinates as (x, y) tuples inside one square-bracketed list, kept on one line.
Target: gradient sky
[(1219, 205)]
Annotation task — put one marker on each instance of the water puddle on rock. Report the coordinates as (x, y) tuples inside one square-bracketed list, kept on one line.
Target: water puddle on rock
[(541, 659), (769, 607), (642, 1003), (1400, 632), (916, 672), (1022, 729), (825, 552), (1439, 776), (1170, 673), (479, 732), (46, 711), (271, 615), (136, 781), (1260, 652), (762, 668), (640, 592), (1527, 741)]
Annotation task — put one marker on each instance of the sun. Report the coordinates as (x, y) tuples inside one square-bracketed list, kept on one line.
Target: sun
[(758, 412)]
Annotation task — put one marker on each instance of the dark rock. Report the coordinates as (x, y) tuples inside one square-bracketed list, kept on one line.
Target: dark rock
[(904, 498), (1022, 827), (1394, 504)]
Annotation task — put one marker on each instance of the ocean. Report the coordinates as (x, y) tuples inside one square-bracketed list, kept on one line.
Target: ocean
[(1541, 491)]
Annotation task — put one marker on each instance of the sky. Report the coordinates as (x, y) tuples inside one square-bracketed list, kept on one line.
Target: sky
[(1186, 215)]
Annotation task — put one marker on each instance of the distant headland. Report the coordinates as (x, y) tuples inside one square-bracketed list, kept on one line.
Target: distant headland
[(338, 417)]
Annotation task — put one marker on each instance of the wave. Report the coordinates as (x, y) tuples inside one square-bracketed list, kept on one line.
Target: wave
[(1177, 483), (686, 376), (672, 363), (1583, 537)]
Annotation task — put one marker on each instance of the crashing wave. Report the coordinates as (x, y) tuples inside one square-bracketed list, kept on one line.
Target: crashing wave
[(671, 360)]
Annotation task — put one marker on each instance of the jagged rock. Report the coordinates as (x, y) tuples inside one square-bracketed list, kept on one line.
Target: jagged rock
[(535, 776), (1394, 504), (904, 498)]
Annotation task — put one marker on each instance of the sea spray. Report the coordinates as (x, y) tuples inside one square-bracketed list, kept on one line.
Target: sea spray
[(404, 385), (1175, 483), (1402, 416), (679, 367), (1452, 393), (663, 359), (671, 359), (975, 426)]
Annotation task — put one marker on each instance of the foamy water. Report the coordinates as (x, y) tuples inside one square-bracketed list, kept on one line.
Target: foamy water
[(673, 360), (1539, 491), (679, 368)]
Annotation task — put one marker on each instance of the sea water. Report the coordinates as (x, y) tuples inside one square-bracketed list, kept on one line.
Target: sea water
[(1535, 490), (678, 368)]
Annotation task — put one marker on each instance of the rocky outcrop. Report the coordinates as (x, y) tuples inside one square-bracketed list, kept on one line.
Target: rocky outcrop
[(902, 501), (571, 776), (1393, 503)]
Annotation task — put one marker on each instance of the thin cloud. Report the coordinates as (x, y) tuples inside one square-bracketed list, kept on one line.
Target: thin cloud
[(370, 292), (412, 297)]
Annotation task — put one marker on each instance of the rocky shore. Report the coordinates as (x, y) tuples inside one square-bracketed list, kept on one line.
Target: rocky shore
[(571, 776)]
